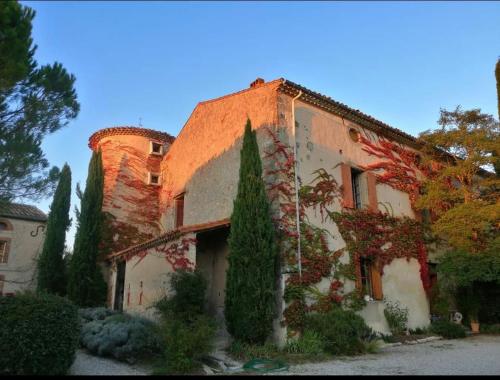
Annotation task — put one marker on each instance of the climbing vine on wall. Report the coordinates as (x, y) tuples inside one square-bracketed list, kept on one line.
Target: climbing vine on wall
[(130, 205), (366, 233), (175, 253)]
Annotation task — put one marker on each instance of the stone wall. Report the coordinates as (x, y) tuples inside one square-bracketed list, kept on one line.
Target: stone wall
[(20, 269)]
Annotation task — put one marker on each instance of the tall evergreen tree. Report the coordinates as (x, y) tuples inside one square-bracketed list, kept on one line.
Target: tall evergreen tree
[(251, 276), (51, 267), (497, 76), (86, 286), (34, 101)]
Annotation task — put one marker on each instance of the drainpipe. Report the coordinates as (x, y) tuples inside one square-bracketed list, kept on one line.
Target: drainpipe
[(297, 215)]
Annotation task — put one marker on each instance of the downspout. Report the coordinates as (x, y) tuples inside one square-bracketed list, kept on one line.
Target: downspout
[(297, 214)]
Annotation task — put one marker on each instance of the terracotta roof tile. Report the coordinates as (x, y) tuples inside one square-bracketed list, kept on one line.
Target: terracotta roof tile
[(329, 104), (22, 211), (129, 130), (168, 237)]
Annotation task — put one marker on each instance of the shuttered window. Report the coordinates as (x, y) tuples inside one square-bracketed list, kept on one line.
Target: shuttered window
[(4, 251), (348, 200), (372, 191), (370, 279)]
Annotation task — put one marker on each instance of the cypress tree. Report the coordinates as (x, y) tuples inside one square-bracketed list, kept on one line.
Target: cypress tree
[(86, 286), (51, 273), (251, 275), (497, 76)]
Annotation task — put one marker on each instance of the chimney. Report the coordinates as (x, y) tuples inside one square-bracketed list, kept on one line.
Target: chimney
[(257, 83)]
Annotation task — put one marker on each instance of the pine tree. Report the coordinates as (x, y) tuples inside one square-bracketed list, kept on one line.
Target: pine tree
[(35, 101), (86, 286), (251, 276), (51, 273)]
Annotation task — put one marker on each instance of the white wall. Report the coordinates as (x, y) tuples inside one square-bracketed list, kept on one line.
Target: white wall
[(24, 249)]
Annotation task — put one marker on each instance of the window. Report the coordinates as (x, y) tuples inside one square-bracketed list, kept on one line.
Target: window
[(179, 210), (370, 281), (154, 179), (354, 134), (156, 148), (4, 251), (5, 226), (356, 189), (366, 282)]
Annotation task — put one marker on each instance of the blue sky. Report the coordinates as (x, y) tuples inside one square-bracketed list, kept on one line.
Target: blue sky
[(154, 61)]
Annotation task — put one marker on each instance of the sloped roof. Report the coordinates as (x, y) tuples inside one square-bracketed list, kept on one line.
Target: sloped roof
[(168, 237), (129, 130), (333, 106), (22, 211)]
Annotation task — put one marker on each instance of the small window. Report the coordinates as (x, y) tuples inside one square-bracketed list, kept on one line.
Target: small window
[(179, 210), (356, 188), (370, 281), (4, 251), (354, 134), (366, 278), (3, 226), (156, 148), (154, 179)]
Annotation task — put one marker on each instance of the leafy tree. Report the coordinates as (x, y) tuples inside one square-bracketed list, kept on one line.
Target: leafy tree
[(250, 283), (86, 286), (461, 194), (470, 281), (34, 101), (51, 265)]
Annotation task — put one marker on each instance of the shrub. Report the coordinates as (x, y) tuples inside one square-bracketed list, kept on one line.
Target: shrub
[(38, 334), (310, 343), (396, 316), (186, 331), (419, 331), (95, 313), (372, 346), (447, 329), (188, 299), (490, 329), (246, 351), (342, 331), (121, 336), (186, 343)]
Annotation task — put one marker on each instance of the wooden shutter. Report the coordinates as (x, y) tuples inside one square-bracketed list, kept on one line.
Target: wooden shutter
[(372, 191), (376, 282), (179, 212), (348, 200)]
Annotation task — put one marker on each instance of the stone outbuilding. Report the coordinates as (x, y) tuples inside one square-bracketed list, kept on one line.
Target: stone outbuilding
[(22, 232)]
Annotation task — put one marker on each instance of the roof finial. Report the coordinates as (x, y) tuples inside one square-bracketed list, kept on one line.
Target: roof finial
[(140, 122)]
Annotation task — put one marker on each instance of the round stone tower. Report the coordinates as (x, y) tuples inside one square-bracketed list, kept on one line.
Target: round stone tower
[(131, 160)]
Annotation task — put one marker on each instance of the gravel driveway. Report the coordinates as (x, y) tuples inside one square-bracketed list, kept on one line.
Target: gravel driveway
[(86, 364), (476, 355)]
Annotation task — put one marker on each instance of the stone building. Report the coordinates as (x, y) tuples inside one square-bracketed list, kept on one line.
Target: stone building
[(169, 200), (22, 232)]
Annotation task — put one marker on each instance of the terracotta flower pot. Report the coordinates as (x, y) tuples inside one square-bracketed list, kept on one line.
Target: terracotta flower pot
[(474, 325)]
